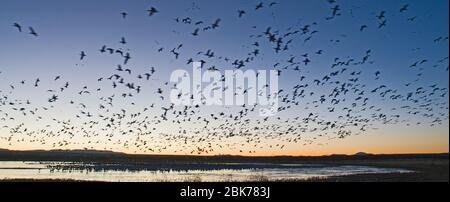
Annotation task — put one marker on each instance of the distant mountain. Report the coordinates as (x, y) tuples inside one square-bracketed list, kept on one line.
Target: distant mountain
[(350, 155), (362, 154)]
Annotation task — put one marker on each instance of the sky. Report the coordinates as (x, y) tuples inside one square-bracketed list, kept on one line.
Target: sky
[(418, 124)]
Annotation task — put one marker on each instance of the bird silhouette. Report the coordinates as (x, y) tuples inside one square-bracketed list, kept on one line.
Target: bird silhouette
[(19, 27), (241, 13), (82, 55), (259, 6), (152, 11), (123, 14), (404, 8), (32, 32)]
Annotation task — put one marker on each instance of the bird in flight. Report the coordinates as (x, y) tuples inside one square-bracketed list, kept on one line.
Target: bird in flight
[(19, 27), (412, 18), (259, 6), (32, 32), (195, 33), (82, 55), (241, 13), (381, 15), (362, 28), (152, 11), (103, 49), (382, 24), (216, 24), (127, 57), (123, 41), (404, 8), (124, 14)]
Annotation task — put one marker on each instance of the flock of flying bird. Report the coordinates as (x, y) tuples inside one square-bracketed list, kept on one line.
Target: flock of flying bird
[(161, 127)]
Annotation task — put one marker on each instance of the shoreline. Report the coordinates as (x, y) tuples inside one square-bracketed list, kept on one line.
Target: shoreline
[(424, 167)]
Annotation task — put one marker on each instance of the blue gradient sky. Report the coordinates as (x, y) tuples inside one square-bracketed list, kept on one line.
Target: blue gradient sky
[(68, 27)]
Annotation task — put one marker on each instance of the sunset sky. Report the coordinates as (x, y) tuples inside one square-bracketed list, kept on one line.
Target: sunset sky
[(416, 124)]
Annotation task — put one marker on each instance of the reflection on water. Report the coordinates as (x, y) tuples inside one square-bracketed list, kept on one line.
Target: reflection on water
[(261, 172)]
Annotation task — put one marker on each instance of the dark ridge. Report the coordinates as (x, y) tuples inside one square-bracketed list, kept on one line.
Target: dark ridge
[(110, 156)]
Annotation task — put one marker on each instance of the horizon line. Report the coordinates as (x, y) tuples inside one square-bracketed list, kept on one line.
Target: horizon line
[(362, 153)]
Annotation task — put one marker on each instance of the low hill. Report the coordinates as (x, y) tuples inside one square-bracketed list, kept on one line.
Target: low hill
[(110, 156)]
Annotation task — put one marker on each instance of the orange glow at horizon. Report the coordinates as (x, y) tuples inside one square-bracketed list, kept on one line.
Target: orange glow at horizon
[(414, 140)]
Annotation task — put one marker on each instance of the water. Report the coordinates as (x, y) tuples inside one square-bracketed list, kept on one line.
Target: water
[(261, 172)]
